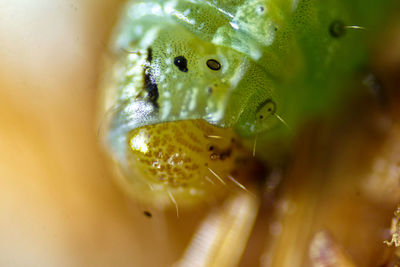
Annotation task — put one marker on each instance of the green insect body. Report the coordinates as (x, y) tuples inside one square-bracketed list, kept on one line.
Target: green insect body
[(259, 67)]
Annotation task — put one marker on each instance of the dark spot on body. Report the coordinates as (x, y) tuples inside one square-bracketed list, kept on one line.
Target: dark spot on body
[(147, 214), (337, 29), (210, 148), (149, 55), (213, 64), (261, 8), (210, 90), (150, 84), (181, 63)]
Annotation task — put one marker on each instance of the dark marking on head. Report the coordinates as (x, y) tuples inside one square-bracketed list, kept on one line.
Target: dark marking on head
[(181, 63), (147, 214), (210, 148), (149, 55), (150, 84), (213, 64), (337, 29)]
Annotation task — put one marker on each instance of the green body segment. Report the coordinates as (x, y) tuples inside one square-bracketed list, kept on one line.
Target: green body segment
[(255, 65)]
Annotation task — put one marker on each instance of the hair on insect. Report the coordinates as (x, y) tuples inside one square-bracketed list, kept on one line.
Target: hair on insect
[(131, 52), (338, 29), (174, 202), (217, 176), (282, 121)]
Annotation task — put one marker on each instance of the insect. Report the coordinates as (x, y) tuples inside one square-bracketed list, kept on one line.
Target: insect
[(193, 78)]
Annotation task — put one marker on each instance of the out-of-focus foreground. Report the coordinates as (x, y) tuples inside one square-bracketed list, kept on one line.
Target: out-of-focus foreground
[(60, 207)]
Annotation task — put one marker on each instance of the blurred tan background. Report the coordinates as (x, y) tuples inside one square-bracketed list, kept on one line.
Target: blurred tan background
[(58, 205)]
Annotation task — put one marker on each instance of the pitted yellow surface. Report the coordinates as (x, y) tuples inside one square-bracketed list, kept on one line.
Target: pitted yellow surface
[(191, 160)]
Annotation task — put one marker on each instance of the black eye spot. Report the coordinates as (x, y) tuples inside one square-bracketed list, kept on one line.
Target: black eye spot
[(210, 148), (147, 214), (260, 10), (213, 64), (337, 29), (181, 63)]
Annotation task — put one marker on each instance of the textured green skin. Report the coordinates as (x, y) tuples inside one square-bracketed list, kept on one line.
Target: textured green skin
[(285, 54)]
